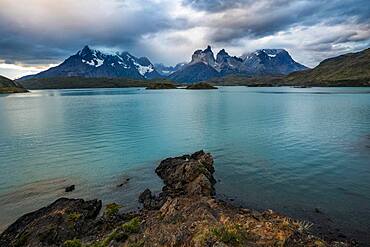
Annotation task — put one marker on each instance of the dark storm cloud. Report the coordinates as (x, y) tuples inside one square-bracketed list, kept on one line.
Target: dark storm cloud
[(48, 40), (41, 32), (246, 18)]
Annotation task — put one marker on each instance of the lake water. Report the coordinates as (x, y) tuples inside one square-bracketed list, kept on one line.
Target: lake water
[(288, 149)]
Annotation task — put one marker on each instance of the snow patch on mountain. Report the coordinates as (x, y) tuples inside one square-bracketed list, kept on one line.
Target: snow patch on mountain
[(144, 69)]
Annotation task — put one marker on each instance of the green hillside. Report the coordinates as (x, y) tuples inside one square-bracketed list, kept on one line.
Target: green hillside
[(8, 86), (352, 69), (81, 82)]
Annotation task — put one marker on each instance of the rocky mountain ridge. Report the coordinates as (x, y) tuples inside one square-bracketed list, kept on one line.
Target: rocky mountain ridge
[(204, 65), (90, 63)]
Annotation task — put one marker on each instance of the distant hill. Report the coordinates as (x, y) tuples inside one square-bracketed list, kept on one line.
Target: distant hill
[(241, 80), (5, 82), (9, 86), (82, 82), (352, 69), (205, 66), (91, 63)]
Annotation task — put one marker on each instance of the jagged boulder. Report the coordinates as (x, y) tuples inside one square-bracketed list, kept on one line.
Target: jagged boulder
[(187, 175)]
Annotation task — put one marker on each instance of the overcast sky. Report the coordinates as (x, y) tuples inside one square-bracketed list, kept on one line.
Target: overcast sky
[(37, 34)]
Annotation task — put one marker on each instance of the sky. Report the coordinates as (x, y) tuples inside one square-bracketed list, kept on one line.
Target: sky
[(38, 34)]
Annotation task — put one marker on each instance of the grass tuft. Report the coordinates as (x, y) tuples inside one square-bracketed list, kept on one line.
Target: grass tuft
[(112, 209), (72, 243)]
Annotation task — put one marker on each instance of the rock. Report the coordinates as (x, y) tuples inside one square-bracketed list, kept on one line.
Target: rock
[(52, 225), (317, 210), (185, 213), (188, 174), (70, 188), (124, 183)]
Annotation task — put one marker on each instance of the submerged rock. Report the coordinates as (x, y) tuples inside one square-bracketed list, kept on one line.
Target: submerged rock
[(70, 188), (184, 213), (124, 182)]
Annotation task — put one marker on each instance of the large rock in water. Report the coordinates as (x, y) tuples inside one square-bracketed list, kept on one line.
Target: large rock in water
[(52, 225), (187, 175)]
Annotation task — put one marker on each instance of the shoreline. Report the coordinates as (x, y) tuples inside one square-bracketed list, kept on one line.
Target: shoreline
[(182, 86), (187, 194)]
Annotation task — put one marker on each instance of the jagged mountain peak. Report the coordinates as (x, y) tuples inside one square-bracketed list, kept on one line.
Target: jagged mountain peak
[(259, 62), (266, 52), (208, 49), (222, 56), (203, 56), (222, 52), (89, 62)]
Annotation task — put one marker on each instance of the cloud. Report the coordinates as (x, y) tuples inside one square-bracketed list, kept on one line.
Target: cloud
[(215, 5), (42, 32), (49, 30), (246, 18)]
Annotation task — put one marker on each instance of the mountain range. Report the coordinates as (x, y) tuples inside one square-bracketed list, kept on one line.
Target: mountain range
[(204, 65), (351, 69), (262, 67), (92, 63)]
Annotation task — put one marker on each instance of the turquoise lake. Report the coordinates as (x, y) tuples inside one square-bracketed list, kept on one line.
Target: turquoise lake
[(287, 149)]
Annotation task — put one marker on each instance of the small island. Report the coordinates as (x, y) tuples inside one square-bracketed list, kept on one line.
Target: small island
[(162, 85), (200, 85)]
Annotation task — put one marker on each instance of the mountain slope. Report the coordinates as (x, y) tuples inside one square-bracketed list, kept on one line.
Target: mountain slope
[(194, 73), (5, 82), (270, 62), (201, 67), (352, 69), (204, 66), (93, 63), (167, 70), (9, 86)]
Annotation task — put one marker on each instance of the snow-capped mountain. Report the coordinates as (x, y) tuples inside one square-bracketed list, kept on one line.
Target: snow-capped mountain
[(270, 62), (167, 70), (93, 63), (204, 65)]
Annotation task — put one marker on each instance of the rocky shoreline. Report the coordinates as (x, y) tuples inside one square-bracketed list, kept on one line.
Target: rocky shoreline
[(185, 213)]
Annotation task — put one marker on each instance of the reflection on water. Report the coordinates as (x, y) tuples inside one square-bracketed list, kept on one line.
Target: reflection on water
[(289, 149)]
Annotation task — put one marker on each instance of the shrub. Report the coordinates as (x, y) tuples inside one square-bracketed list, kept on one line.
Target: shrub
[(227, 235), (133, 226), (112, 209), (73, 217)]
